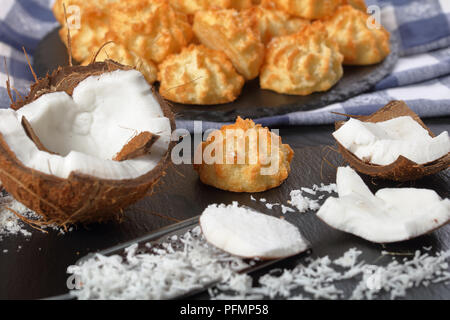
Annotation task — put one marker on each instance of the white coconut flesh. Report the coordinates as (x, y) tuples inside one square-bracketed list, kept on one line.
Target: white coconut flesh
[(88, 129), (383, 142), (389, 215), (249, 234)]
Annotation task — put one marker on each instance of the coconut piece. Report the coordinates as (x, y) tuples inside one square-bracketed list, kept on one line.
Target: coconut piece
[(402, 168), (138, 146), (246, 233), (86, 114), (32, 135), (390, 215)]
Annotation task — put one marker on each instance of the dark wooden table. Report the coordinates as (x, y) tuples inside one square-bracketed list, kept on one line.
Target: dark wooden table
[(35, 267)]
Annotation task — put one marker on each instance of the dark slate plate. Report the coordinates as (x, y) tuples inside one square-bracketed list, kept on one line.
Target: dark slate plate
[(38, 268), (253, 102)]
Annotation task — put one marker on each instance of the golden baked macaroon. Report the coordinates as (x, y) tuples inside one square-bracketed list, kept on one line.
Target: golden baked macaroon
[(357, 4), (272, 23), (89, 36), (190, 7), (360, 43), (243, 157), (308, 9), (58, 7), (230, 32), (152, 29), (117, 52), (199, 75), (302, 63), (240, 4)]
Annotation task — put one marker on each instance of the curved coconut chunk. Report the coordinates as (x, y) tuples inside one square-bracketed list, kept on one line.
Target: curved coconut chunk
[(90, 128), (382, 143), (246, 233), (391, 215), (348, 183)]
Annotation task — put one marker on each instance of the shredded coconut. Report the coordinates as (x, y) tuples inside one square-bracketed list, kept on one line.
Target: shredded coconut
[(285, 209), (303, 203), (174, 270), (11, 224), (271, 205), (162, 273), (318, 278), (299, 201), (308, 190), (330, 188)]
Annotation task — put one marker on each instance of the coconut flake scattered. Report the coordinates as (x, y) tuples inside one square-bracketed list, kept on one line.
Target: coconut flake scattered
[(308, 190), (303, 203), (285, 209), (271, 205), (10, 224), (319, 279), (348, 260), (195, 264), (157, 274), (330, 188)]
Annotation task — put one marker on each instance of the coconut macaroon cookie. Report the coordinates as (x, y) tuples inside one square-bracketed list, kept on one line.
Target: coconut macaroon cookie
[(230, 32), (190, 7), (91, 33), (117, 52), (86, 143), (199, 75), (98, 5), (243, 157), (152, 29), (302, 63), (308, 9), (359, 43), (270, 22), (357, 4)]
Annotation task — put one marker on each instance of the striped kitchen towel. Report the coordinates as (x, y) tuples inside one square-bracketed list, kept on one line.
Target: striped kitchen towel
[(421, 76)]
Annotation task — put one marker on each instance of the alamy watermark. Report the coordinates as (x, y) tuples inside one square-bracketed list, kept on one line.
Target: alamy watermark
[(374, 20), (73, 17), (255, 146)]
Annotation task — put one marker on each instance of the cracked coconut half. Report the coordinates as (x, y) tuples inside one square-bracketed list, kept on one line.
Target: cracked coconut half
[(393, 143), (85, 143)]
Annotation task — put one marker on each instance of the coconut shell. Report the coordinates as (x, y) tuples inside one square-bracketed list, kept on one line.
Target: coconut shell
[(402, 169), (32, 135), (136, 147), (80, 198)]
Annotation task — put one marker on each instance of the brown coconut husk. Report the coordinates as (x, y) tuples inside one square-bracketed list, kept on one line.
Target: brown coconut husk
[(402, 169), (32, 135), (137, 146), (80, 198)]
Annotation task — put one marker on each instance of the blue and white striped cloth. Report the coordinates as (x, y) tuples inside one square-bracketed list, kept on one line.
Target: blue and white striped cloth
[(421, 77)]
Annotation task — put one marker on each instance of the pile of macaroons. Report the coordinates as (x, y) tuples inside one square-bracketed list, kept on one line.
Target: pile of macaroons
[(203, 51)]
